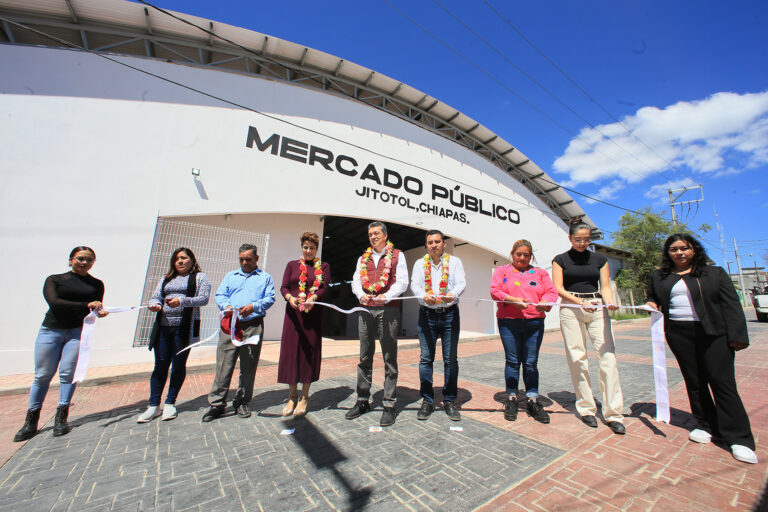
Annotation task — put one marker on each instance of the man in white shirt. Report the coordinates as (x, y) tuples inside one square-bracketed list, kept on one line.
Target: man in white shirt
[(438, 280), (381, 274)]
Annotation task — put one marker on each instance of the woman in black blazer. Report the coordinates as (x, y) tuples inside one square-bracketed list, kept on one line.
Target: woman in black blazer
[(704, 325)]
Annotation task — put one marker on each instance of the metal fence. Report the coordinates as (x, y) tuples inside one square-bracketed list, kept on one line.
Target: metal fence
[(216, 251)]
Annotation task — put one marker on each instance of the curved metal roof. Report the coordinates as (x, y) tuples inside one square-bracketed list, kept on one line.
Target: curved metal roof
[(121, 27)]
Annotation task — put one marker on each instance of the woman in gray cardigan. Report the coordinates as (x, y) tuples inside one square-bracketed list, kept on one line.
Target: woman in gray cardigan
[(177, 301)]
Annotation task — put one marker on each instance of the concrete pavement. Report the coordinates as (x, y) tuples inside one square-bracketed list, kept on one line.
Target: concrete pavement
[(109, 462)]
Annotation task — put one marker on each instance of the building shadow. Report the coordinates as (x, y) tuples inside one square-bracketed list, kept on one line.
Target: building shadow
[(325, 455), (565, 399), (325, 399)]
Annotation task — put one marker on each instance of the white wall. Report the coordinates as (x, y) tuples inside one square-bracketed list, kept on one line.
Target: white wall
[(93, 153), (284, 232)]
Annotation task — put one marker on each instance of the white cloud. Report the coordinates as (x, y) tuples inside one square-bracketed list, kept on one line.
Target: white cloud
[(608, 191), (720, 135)]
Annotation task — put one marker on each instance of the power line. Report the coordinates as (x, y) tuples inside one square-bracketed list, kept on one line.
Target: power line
[(521, 98), (580, 88), (211, 33), (543, 88), (310, 130)]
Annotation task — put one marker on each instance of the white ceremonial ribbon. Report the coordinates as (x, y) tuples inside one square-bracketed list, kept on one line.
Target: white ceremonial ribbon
[(206, 340), (659, 364), (344, 311), (86, 339), (657, 344), (251, 340)]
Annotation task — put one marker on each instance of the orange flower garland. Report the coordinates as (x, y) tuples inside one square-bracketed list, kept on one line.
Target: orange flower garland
[(382, 282), (303, 281), (428, 276)]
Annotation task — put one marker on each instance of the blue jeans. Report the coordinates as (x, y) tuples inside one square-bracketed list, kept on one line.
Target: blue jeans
[(445, 326), (521, 338), (54, 348), (168, 344)]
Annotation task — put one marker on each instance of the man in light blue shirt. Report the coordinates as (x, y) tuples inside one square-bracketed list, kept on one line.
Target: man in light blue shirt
[(250, 292)]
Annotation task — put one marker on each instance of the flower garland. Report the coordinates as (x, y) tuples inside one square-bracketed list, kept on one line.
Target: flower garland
[(303, 281), (382, 282), (428, 276)]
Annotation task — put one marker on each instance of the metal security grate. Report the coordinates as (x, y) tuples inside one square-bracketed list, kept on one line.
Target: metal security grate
[(216, 252)]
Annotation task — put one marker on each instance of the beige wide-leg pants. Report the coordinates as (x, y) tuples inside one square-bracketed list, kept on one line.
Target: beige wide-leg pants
[(575, 324)]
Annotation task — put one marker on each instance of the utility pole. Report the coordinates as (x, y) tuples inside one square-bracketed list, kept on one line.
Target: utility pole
[(757, 274), (722, 240), (673, 199), (672, 206), (741, 275)]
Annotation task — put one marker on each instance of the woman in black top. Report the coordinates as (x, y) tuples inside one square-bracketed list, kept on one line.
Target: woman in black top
[(582, 277), (70, 297), (704, 325)]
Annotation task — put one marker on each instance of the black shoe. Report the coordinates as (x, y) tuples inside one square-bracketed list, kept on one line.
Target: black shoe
[(361, 407), (618, 428), (60, 425), (537, 412), (451, 410), (242, 410), (29, 429), (510, 409), (388, 417), (425, 410), (213, 413), (589, 421)]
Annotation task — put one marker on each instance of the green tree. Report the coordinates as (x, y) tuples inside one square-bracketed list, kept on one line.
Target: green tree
[(644, 235)]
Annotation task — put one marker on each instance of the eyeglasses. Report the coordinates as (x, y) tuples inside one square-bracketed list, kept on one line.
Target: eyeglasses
[(581, 240), (80, 259)]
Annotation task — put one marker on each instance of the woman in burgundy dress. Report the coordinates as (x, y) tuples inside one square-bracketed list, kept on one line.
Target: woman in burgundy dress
[(304, 282)]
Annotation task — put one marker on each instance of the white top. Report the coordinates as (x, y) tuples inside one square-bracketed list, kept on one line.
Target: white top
[(456, 280), (681, 304), (401, 276)]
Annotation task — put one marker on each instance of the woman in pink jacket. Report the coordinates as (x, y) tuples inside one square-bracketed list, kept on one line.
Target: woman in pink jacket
[(521, 325)]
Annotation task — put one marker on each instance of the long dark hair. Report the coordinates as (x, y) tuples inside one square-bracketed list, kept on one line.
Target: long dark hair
[(195, 266), (698, 262)]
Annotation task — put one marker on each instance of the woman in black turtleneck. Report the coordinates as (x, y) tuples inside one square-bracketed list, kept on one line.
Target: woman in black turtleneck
[(70, 297), (582, 277)]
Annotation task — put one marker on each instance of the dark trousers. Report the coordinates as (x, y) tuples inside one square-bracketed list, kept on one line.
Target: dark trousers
[(168, 344), (227, 355), (445, 325), (707, 365), (521, 338), (383, 323)]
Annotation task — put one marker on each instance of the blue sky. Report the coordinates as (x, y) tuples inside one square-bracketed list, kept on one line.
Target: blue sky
[(688, 79)]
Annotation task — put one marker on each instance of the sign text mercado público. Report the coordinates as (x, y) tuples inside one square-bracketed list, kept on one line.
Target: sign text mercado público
[(409, 187)]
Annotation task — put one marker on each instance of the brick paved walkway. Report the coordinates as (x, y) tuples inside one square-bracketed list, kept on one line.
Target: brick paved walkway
[(108, 462)]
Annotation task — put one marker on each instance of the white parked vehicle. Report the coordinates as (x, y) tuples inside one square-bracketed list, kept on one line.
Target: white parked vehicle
[(760, 301)]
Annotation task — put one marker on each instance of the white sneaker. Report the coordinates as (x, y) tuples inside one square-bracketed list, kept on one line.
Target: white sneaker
[(700, 436), (169, 412), (147, 415), (743, 454)]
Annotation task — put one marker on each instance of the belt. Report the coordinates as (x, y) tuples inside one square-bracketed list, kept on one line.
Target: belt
[(253, 321), (595, 295), (439, 311)]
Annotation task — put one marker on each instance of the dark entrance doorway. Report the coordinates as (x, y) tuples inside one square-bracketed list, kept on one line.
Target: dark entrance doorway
[(344, 240)]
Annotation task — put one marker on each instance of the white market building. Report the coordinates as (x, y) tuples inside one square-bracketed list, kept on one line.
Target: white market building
[(147, 134)]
